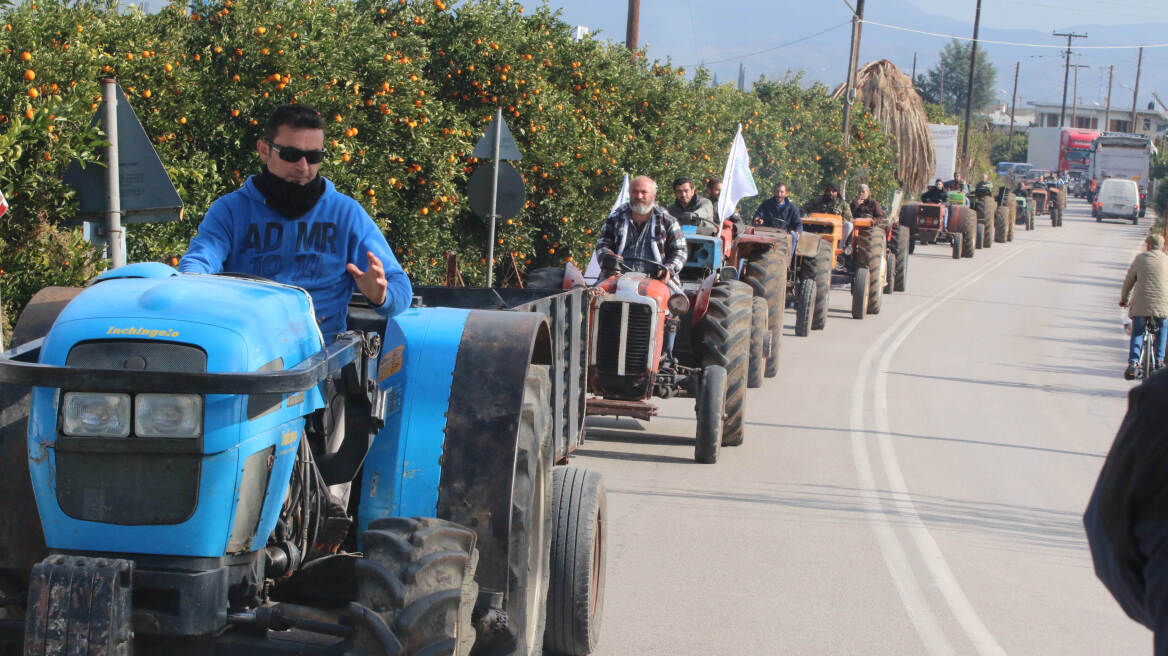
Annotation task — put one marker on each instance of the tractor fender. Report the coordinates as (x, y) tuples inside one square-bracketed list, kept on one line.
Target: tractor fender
[(808, 244), (573, 278), (702, 299), (753, 242), (454, 382)]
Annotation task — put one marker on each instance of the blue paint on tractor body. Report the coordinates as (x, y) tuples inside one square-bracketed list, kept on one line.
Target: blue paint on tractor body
[(403, 468), (241, 325)]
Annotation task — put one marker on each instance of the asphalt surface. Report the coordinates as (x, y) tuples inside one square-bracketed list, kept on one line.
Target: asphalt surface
[(912, 483)]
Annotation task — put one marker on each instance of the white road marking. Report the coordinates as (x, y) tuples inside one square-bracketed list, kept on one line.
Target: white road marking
[(923, 618)]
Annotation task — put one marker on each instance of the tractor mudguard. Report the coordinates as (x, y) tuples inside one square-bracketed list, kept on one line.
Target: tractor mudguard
[(808, 244), (752, 242), (702, 299), (458, 374)]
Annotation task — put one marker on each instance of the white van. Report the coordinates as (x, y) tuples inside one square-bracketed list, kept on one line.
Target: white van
[(1118, 199)]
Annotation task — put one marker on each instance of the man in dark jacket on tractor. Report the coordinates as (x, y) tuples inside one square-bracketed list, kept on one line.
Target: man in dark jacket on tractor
[(690, 208), (832, 203), (936, 194)]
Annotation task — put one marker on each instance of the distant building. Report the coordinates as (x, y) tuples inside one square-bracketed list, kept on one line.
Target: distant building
[(999, 117), (580, 32), (1149, 122)]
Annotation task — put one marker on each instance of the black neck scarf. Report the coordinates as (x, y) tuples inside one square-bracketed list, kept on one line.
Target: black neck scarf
[(288, 198)]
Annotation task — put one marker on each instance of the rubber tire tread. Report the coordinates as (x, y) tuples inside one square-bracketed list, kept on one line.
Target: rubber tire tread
[(725, 331), (968, 222), (579, 516), (759, 341), (424, 587), (766, 273), (822, 285), (804, 306), (1001, 230), (902, 236), (870, 244), (546, 278), (710, 410), (859, 293)]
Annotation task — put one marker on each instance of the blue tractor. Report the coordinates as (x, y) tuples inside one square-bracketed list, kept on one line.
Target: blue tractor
[(210, 477)]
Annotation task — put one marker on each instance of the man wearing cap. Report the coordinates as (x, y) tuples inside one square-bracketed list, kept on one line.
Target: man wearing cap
[(832, 203), (1145, 294)]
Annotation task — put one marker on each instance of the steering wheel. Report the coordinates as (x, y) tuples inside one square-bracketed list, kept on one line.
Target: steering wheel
[(622, 264)]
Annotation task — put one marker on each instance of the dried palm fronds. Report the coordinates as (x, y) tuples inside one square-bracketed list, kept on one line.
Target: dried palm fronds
[(890, 98)]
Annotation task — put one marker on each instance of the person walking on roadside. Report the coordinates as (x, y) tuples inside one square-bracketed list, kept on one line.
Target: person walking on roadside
[(1145, 294)]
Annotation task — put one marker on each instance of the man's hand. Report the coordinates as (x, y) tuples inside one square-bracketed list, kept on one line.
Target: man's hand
[(758, 221), (372, 282), (1122, 303), (663, 275)]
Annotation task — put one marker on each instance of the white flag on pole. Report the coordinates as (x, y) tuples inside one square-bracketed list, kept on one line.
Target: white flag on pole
[(737, 182), (592, 274)]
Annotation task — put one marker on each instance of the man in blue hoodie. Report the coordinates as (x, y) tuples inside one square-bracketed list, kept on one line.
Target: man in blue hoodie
[(291, 225)]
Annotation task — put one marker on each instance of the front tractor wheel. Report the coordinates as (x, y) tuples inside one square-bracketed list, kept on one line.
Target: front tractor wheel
[(903, 237), (710, 410), (418, 576), (579, 541), (822, 285), (967, 220), (766, 273), (804, 306), (760, 342), (860, 293), (957, 239), (725, 330), (870, 247)]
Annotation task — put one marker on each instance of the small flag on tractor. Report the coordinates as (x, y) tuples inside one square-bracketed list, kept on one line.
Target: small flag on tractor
[(3, 204), (737, 182), (592, 273)]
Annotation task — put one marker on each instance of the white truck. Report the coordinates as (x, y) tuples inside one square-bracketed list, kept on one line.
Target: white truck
[(1042, 149), (1123, 156)]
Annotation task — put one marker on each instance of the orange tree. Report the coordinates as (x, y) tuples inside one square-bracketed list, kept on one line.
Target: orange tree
[(407, 88)]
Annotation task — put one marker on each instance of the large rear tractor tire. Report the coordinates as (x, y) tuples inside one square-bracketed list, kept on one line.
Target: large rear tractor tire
[(546, 278), (902, 237), (760, 342), (725, 331), (1001, 229), (967, 221), (804, 306), (870, 247), (822, 285), (711, 410), (766, 273), (860, 293), (990, 235), (528, 566), (418, 576), (579, 547)]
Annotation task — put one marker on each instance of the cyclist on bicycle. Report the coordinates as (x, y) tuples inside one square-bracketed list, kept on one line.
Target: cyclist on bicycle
[(1145, 294)]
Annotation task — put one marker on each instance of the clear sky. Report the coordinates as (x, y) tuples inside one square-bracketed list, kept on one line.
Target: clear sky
[(1046, 14)]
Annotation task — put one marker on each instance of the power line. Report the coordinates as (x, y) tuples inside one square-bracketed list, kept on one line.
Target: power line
[(1010, 43), (781, 45)]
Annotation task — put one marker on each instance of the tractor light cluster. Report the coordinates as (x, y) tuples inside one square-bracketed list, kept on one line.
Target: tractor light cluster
[(678, 304), (89, 414)]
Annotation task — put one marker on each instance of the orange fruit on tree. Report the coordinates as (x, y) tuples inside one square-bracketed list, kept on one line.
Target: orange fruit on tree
[(33, 93), (261, 30), (25, 56), (29, 75)]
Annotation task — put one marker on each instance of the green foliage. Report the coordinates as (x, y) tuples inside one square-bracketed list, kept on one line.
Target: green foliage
[(407, 88), (947, 84), (1003, 149)]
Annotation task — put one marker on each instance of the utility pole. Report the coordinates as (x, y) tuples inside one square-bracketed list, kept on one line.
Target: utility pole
[(914, 73), (1013, 102), (634, 22), (1075, 96), (1067, 72), (1136, 91), (850, 92), (1107, 112), (969, 90), (941, 93)]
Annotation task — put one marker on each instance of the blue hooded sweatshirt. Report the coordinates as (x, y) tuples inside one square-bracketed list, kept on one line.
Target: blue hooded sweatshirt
[(241, 234)]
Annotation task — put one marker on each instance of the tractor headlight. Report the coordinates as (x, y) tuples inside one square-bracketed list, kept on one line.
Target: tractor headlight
[(88, 414), (678, 304), (168, 415)]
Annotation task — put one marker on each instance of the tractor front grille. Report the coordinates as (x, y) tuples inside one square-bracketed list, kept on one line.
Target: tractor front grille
[(623, 329), (131, 480)]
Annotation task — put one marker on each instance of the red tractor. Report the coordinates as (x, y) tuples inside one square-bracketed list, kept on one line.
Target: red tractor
[(929, 223), (634, 317)]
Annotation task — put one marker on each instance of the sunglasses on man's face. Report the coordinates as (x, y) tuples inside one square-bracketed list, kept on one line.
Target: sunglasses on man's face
[(293, 155)]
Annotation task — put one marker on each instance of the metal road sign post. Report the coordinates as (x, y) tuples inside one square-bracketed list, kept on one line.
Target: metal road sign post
[(134, 187), (497, 144)]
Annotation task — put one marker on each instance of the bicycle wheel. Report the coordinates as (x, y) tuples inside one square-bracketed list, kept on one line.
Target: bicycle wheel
[(1147, 355)]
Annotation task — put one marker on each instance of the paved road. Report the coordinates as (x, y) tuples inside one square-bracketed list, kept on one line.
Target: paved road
[(910, 484)]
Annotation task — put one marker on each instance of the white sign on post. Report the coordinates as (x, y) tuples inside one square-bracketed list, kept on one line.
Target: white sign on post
[(945, 150)]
